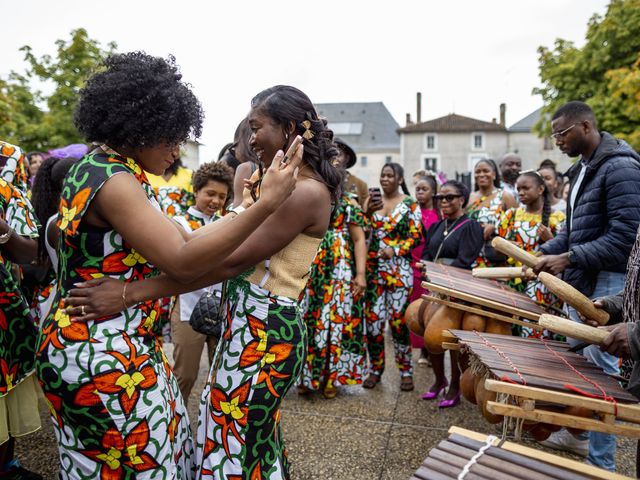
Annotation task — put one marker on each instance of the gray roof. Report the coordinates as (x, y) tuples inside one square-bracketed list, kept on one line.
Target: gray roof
[(526, 124), (378, 126), (452, 123)]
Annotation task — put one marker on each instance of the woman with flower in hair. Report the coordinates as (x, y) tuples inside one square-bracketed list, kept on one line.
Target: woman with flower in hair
[(263, 346), (115, 403)]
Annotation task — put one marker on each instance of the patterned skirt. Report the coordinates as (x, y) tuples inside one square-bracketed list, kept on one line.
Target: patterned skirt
[(258, 360), (116, 408)]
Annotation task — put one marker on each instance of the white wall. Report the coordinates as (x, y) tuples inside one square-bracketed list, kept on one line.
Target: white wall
[(190, 155), (531, 149), (375, 161), (453, 150)]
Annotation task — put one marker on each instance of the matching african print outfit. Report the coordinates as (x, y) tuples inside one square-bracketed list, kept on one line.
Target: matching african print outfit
[(389, 283), (487, 214), (333, 316), (18, 400), (258, 359), (521, 227), (115, 404)]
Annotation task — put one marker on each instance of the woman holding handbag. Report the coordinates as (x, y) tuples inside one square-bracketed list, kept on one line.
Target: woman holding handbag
[(456, 240), (212, 186)]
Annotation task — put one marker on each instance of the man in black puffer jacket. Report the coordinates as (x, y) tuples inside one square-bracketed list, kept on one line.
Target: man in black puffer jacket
[(603, 214)]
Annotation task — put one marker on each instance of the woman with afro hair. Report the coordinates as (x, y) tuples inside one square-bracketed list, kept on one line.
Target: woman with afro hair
[(263, 347), (115, 404)]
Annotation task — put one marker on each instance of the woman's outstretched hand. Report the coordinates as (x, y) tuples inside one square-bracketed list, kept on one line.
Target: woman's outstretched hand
[(93, 299), (280, 179)]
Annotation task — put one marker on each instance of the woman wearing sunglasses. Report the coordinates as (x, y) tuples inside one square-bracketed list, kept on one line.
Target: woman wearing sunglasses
[(455, 240)]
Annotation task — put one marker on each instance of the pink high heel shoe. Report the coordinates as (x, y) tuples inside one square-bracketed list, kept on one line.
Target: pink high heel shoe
[(450, 403), (432, 395)]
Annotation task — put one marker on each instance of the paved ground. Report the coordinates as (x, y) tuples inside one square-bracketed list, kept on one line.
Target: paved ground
[(361, 434)]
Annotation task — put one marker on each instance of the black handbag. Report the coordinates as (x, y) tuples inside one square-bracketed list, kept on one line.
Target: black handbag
[(491, 255), (207, 315)]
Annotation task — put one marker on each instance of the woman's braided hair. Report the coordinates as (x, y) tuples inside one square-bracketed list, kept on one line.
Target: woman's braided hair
[(287, 105)]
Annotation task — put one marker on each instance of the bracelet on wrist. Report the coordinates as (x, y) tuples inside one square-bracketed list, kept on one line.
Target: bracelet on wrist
[(124, 296)]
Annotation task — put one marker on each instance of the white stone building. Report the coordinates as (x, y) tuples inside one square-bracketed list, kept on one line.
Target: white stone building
[(454, 143)]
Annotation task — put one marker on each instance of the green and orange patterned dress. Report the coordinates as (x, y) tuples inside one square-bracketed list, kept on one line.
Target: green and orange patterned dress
[(390, 282), (334, 317), (18, 333), (521, 227), (258, 359), (115, 404)]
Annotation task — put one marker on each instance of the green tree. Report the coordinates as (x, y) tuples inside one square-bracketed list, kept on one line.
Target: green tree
[(600, 73), (37, 121)]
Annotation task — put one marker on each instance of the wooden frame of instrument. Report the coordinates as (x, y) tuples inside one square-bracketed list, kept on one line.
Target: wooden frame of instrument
[(558, 461), (480, 311), (628, 413), (467, 297)]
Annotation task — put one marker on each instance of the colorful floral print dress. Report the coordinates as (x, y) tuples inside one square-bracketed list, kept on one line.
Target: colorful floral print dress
[(14, 170), (115, 404), (18, 333), (175, 195), (257, 361), (334, 317), (389, 283), (487, 214), (519, 226)]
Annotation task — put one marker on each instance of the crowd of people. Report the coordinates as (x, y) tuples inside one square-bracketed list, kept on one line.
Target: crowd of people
[(298, 268)]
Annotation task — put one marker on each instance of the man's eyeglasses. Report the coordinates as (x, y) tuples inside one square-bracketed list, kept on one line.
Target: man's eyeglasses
[(448, 198), (562, 133)]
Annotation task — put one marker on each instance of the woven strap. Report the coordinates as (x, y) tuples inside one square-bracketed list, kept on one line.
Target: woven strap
[(488, 443)]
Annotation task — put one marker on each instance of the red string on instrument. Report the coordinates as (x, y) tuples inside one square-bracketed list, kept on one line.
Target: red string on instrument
[(514, 303), (504, 356), (604, 396)]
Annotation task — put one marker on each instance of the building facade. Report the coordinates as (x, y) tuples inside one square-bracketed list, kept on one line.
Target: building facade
[(454, 143), (370, 130)]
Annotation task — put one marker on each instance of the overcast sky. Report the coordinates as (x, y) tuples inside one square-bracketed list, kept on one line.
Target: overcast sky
[(465, 57)]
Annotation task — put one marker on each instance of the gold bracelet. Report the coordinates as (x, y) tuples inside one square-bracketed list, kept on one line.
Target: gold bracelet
[(124, 296)]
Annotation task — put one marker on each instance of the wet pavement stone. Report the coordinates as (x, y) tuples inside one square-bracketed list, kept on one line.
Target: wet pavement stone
[(379, 434)]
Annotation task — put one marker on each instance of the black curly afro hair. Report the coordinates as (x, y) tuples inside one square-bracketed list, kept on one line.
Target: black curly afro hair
[(136, 100)]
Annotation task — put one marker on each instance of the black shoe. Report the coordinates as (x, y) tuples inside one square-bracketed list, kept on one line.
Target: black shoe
[(19, 473)]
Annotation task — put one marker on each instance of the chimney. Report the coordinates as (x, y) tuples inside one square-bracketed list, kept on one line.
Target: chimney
[(419, 107), (493, 120), (409, 122), (503, 114)]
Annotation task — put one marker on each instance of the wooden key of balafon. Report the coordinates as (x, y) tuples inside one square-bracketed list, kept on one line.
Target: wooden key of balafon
[(572, 329), (515, 252), (574, 298), (496, 273)]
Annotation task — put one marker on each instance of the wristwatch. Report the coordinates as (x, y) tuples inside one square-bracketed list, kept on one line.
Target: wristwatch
[(237, 210), (4, 238), (572, 257)]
